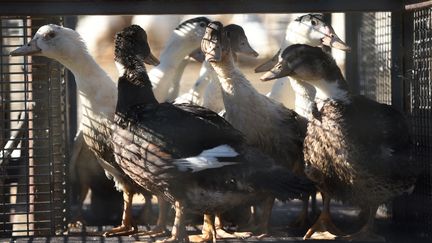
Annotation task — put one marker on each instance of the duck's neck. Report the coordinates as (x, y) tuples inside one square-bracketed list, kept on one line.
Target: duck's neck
[(228, 73), (333, 90), (168, 73), (134, 87), (304, 98), (242, 101), (96, 89), (207, 74)]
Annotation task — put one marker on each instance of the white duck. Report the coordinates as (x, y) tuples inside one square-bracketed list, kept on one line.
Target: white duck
[(98, 96), (309, 29), (185, 39)]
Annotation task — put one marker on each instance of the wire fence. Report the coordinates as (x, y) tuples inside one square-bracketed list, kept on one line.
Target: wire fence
[(32, 127), (375, 56), (420, 95)]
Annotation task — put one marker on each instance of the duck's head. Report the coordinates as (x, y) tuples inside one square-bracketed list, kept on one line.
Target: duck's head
[(238, 40), (309, 29), (215, 43), (304, 63), (220, 41), (192, 29), (131, 43), (52, 41)]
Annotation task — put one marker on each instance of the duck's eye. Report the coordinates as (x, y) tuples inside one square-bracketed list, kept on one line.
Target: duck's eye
[(202, 24), (313, 22), (50, 35)]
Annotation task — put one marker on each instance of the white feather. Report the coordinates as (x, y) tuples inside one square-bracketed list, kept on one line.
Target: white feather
[(207, 159)]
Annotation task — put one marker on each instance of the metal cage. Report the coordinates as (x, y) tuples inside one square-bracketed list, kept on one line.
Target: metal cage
[(33, 136), (390, 61), (419, 93), (375, 58)]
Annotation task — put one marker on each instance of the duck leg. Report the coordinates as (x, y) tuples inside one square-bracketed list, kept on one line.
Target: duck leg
[(208, 231), (126, 227), (366, 232), (264, 217), (302, 220), (145, 216), (178, 232), (323, 228), (222, 234), (160, 228), (315, 210)]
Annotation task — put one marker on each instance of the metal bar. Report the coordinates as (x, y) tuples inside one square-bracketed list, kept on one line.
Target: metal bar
[(351, 64), (418, 6), (397, 80), (110, 7)]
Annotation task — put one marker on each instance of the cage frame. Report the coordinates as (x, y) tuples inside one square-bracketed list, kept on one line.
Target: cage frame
[(398, 9)]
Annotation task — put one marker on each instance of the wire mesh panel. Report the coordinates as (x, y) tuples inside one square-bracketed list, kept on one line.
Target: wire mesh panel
[(32, 127), (421, 101), (375, 56)]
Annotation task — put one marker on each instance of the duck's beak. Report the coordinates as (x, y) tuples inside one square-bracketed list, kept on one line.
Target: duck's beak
[(151, 60), (268, 65), (332, 40), (246, 49), (278, 71), (30, 48)]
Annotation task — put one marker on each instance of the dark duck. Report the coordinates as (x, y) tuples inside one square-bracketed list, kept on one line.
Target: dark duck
[(188, 154), (356, 150)]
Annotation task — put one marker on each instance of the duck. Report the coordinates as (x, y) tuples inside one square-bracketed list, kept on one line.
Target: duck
[(357, 150), (188, 154), (206, 91), (185, 39), (266, 124), (98, 97), (309, 29)]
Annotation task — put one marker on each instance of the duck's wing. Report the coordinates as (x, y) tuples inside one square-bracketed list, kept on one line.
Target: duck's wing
[(385, 133), (151, 138)]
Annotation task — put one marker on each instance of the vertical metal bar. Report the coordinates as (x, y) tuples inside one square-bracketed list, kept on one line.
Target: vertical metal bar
[(31, 162), (70, 118), (352, 38), (28, 107), (397, 80)]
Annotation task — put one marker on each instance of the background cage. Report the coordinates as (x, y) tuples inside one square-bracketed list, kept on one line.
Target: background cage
[(390, 61)]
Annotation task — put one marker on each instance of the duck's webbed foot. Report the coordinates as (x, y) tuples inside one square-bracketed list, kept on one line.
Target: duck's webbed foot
[(323, 229), (178, 233), (160, 228), (222, 234), (121, 230), (205, 237), (126, 228), (208, 231)]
